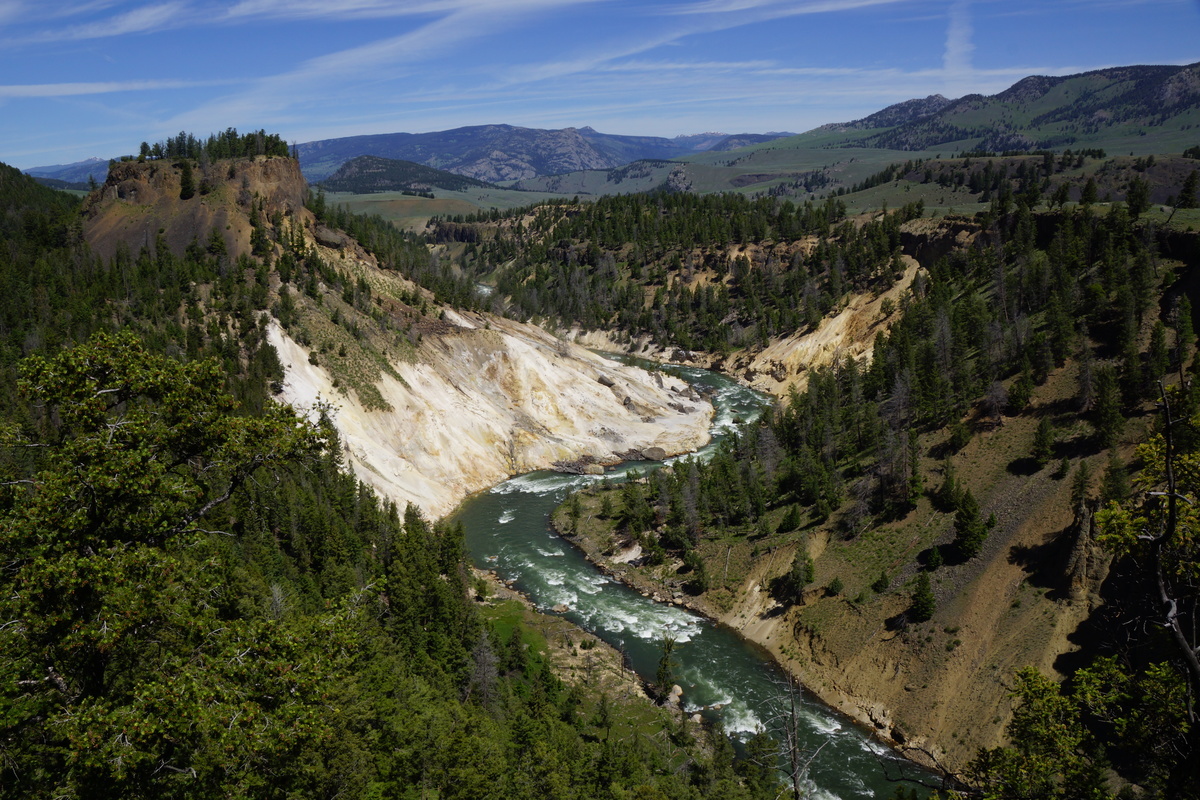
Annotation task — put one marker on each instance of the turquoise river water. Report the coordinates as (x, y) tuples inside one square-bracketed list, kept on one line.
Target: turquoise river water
[(723, 676)]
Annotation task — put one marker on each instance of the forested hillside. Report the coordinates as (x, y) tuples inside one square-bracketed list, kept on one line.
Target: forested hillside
[(598, 264), (1050, 112), (374, 174), (874, 497), (196, 600)]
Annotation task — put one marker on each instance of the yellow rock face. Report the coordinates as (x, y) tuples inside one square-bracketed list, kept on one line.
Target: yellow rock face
[(488, 400)]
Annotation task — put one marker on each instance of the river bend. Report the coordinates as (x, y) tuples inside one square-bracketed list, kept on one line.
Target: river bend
[(723, 676)]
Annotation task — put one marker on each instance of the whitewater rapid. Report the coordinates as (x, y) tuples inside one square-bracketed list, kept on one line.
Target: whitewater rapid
[(724, 678)]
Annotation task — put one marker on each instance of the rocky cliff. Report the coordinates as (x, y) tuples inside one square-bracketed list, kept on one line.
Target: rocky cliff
[(431, 404), (141, 202), (491, 398)]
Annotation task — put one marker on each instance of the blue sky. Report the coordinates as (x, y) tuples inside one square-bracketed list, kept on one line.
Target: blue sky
[(97, 77)]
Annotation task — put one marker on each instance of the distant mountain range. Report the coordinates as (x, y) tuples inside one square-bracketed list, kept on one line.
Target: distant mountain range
[(1130, 109), (496, 153), (71, 175), (488, 153), (1101, 107), (366, 174)]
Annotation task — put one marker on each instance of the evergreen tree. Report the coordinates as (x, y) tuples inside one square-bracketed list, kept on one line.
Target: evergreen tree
[(791, 519), (1106, 415), (1090, 194), (664, 676), (1043, 442), (881, 583), (1158, 359), (936, 559), (1081, 485), (800, 575), (923, 601), (1064, 468), (1022, 390), (1137, 197), (949, 494), (1061, 195), (1188, 194), (187, 181), (1114, 484), (1185, 333), (606, 504), (970, 530)]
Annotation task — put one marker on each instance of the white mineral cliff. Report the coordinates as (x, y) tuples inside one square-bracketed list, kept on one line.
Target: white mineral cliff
[(491, 399)]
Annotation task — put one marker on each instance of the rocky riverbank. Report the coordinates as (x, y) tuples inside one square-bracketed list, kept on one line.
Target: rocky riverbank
[(623, 564)]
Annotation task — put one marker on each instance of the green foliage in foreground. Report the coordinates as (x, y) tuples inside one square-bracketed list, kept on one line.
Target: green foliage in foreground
[(199, 603), (195, 599)]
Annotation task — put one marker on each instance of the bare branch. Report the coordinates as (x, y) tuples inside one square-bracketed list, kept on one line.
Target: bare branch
[(1169, 605)]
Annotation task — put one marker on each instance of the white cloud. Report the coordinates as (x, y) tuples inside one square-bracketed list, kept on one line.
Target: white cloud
[(956, 59), (103, 87), (145, 19), (780, 8), (368, 9), (10, 10), (325, 76)]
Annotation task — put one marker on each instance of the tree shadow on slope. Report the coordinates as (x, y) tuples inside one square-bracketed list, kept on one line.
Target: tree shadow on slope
[(1045, 564), (1024, 467)]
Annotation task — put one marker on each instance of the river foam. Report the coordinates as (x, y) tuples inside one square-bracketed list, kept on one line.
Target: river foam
[(723, 678)]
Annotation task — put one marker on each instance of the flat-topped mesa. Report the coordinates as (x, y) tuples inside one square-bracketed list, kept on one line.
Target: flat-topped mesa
[(142, 201)]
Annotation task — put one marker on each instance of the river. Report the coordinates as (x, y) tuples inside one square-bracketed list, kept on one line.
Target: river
[(723, 676)]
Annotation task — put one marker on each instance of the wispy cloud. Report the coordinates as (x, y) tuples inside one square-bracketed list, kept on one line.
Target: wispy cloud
[(141, 20), (779, 8), (10, 10), (599, 58), (102, 87), (314, 79), (956, 59), (707, 67), (376, 9), (709, 16)]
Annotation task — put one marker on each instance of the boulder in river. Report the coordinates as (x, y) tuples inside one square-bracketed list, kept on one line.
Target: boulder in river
[(654, 453)]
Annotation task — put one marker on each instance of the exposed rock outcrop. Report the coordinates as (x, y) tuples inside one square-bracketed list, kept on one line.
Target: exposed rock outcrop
[(141, 202), (491, 399), (464, 400), (1087, 564)]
